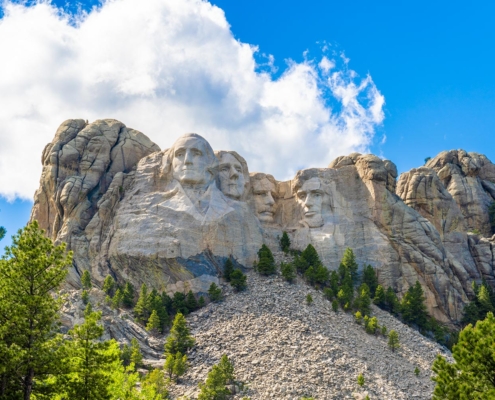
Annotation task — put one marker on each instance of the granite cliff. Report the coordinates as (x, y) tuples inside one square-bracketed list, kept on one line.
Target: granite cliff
[(170, 218)]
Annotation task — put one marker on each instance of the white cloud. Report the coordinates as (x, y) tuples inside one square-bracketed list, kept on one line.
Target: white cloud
[(166, 67)]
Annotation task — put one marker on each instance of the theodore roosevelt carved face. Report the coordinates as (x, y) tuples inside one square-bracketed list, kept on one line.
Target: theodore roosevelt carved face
[(310, 198), (232, 173), (264, 194), (193, 160)]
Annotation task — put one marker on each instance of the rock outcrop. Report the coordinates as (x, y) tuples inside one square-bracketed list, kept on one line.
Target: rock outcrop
[(171, 218)]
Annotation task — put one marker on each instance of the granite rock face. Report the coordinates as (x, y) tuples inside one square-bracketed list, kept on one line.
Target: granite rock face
[(171, 218)]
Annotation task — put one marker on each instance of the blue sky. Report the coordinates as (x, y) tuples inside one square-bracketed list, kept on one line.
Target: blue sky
[(433, 62)]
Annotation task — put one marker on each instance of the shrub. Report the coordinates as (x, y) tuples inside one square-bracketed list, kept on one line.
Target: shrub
[(393, 340), (360, 380), (238, 280), (108, 285), (335, 305), (288, 271), (285, 242), (309, 299), (358, 317), (215, 292), (85, 296)]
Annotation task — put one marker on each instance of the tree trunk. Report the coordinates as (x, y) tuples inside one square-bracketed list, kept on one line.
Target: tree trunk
[(28, 384)]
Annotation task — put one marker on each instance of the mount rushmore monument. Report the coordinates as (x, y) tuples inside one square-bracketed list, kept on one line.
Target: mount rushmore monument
[(171, 218)]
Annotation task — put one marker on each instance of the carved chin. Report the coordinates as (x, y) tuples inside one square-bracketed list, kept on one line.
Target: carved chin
[(314, 221)]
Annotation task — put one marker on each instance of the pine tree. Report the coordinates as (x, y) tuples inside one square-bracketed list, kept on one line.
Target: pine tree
[(358, 317), (108, 285), (311, 256), (288, 271), (153, 325), (180, 365), (334, 282), (391, 301), (228, 269), (142, 306), (220, 376), (370, 278), (85, 296), (191, 302), (238, 280), (156, 305), (88, 361), (363, 301), (3, 232), (309, 299), (349, 261), (371, 325), (471, 375), (167, 303), (201, 302), (86, 280), (179, 303), (117, 299), (128, 295), (124, 382), (136, 355), (301, 264), (328, 293), (31, 270), (266, 263), (413, 306), (393, 340), (215, 292), (125, 355), (179, 339), (285, 242), (335, 305), (380, 298), (360, 380), (154, 386)]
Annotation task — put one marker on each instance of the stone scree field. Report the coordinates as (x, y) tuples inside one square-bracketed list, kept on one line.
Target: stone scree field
[(283, 348)]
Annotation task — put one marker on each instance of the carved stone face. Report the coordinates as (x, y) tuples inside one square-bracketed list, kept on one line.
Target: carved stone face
[(190, 161), (231, 176), (310, 197), (264, 193)]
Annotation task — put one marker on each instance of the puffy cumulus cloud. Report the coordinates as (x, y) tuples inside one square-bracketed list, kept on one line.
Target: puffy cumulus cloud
[(166, 67)]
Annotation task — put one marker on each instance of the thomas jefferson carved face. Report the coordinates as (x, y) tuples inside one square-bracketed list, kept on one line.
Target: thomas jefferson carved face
[(231, 176), (264, 193), (191, 160), (310, 198)]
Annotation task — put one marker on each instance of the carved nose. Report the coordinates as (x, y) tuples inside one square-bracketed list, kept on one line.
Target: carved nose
[(269, 199), (233, 173), (188, 158)]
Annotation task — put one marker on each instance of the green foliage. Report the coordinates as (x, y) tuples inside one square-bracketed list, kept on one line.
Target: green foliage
[(335, 305), (384, 330), (86, 280), (393, 340), (214, 292), (125, 355), (179, 303), (128, 295), (471, 375), (155, 386), (491, 215), (136, 357), (266, 264), (201, 302), (176, 365), (228, 269), (318, 275), (220, 376), (301, 264), (191, 302), (31, 270), (309, 299), (288, 271), (117, 299), (85, 296), (416, 371), (370, 324), (141, 309), (360, 380), (123, 383), (370, 278), (311, 256), (413, 307), (328, 293), (427, 159), (363, 301), (153, 325), (3, 232), (87, 362), (238, 280), (334, 282), (380, 297), (108, 285), (483, 303), (358, 317), (349, 262), (285, 242), (179, 339)]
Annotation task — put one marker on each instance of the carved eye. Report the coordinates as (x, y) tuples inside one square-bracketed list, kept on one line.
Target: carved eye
[(238, 169), (179, 154), (197, 152)]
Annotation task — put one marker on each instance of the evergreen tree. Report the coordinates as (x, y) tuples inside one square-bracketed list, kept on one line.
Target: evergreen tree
[(125, 355), (123, 383), (136, 357), (3, 232), (371, 324), (391, 301), (380, 297), (301, 264), (88, 361), (154, 386), (363, 301), (471, 375), (358, 317), (191, 302), (175, 365), (238, 280), (370, 278), (318, 275), (156, 305), (85, 296), (309, 299), (334, 282), (360, 380), (214, 292), (288, 271), (179, 339), (117, 299), (335, 305), (228, 269), (108, 285), (393, 340), (86, 280), (154, 325), (30, 271), (266, 263), (179, 303), (220, 376), (413, 306), (328, 293), (311, 256), (285, 242), (349, 261), (142, 306), (128, 295), (167, 303), (201, 302)]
